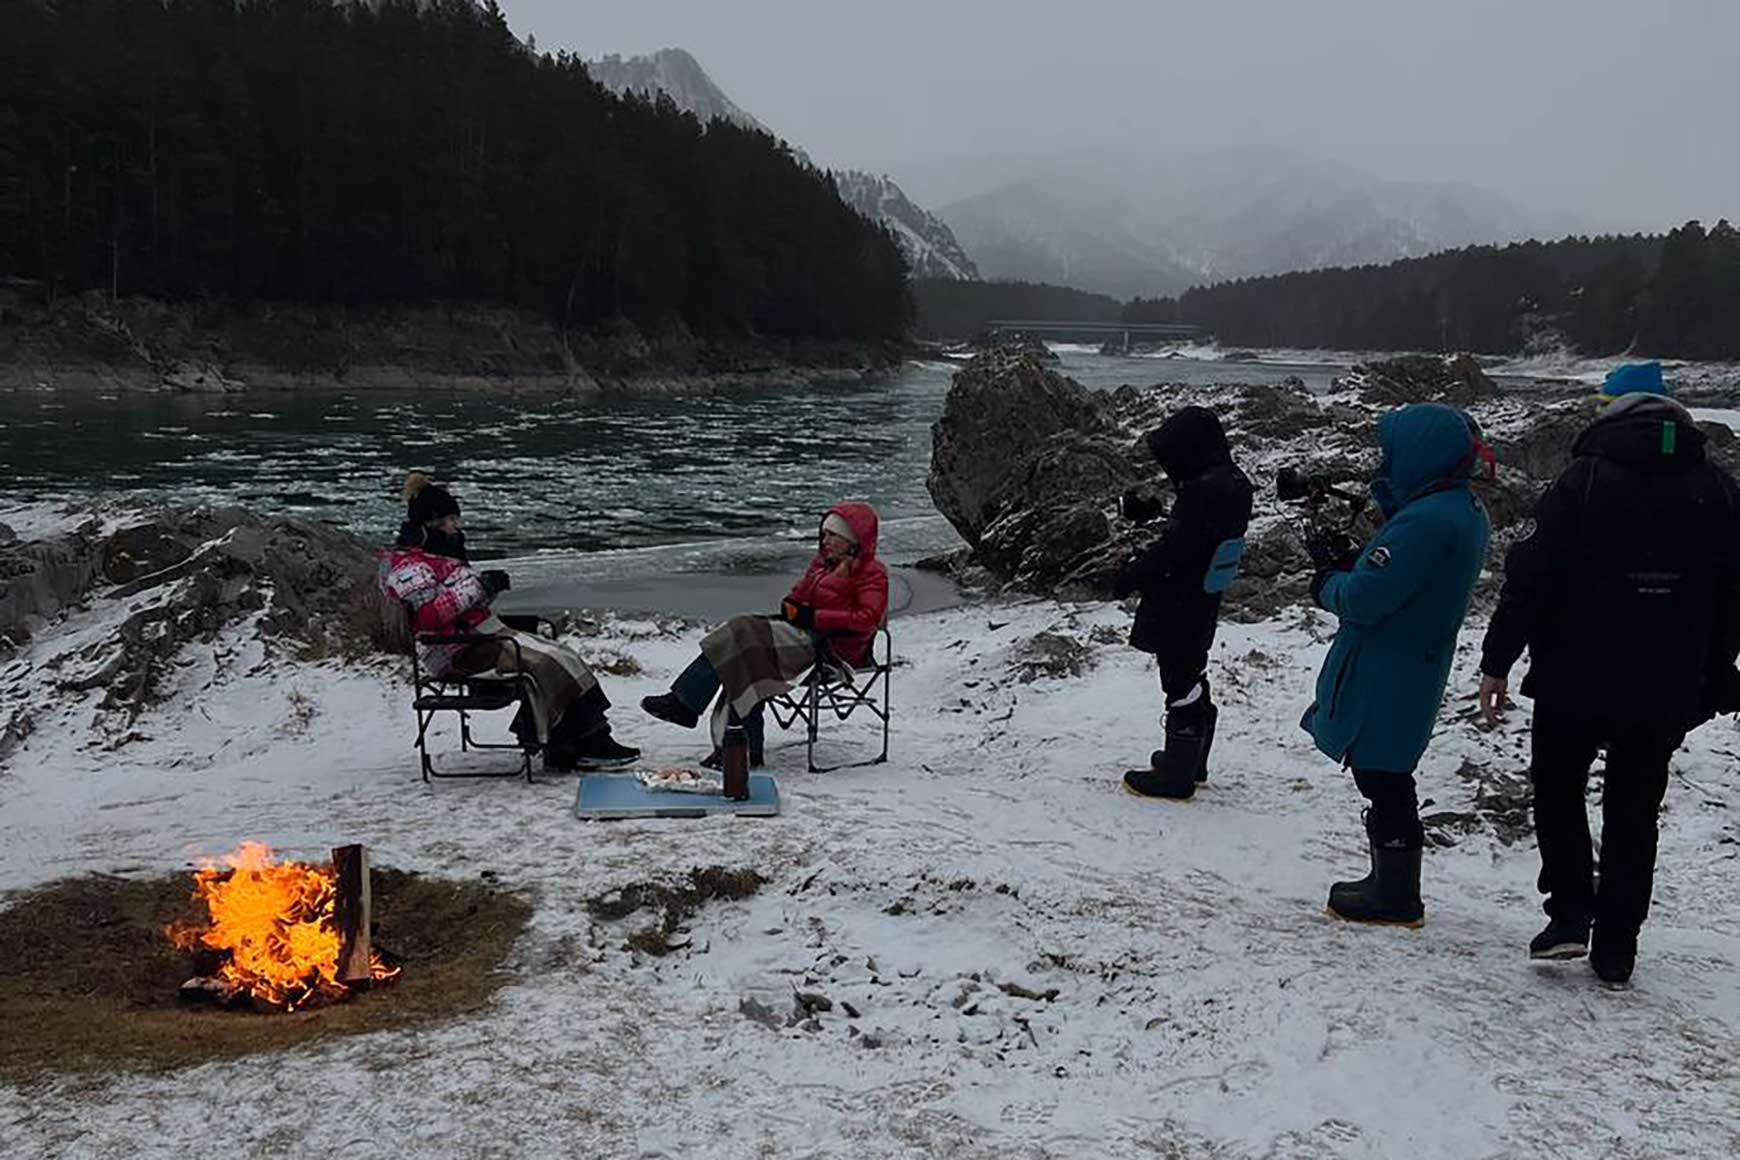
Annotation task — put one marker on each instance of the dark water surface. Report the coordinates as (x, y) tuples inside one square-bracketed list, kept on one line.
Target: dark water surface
[(606, 500)]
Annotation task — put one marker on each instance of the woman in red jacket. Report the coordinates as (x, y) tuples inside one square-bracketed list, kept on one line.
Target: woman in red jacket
[(831, 614)]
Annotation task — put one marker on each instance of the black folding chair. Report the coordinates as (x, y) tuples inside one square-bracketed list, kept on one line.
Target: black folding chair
[(465, 694), (829, 688)]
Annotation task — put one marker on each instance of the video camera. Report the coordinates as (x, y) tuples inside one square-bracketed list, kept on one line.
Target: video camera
[(1327, 531), (1293, 485)]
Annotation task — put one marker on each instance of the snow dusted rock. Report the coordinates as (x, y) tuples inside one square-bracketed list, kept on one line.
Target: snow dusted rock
[(1424, 378), (156, 584), (40, 578), (1003, 411)]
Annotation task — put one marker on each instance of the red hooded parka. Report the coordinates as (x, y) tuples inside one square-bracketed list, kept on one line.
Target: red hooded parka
[(850, 598)]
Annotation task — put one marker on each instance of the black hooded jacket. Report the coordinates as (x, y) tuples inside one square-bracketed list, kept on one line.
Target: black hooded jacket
[(1212, 504), (1627, 594)]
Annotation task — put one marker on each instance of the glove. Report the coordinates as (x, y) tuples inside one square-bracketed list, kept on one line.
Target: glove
[(1318, 580), (1141, 507), (1124, 583), (801, 615), (1331, 552), (495, 582)]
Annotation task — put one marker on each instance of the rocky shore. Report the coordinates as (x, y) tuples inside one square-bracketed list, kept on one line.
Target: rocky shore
[(91, 343), (1031, 468)]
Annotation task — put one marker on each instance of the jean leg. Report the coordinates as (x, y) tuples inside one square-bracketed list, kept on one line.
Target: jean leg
[(696, 684)]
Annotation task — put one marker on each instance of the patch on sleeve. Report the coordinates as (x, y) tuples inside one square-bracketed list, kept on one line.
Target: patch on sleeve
[(1378, 557)]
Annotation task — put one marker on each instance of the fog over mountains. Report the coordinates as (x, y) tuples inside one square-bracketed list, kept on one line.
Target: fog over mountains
[(1146, 221), (1128, 225), (930, 247)]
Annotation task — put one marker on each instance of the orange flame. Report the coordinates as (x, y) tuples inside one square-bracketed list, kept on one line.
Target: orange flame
[(275, 921)]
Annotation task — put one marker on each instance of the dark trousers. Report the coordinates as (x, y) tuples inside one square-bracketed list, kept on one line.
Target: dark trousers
[(1564, 747), (696, 686), (1393, 821)]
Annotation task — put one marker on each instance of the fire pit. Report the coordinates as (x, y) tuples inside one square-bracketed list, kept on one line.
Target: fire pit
[(89, 982), (287, 935)]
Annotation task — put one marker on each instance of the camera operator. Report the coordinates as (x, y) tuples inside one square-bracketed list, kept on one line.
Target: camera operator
[(1181, 578), (1625, 597), (1400, 600)]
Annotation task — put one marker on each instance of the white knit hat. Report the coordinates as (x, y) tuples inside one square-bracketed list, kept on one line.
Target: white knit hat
[(836, 523)]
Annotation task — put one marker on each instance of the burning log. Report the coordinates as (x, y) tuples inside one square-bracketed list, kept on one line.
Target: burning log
[(291, 934), (350, 915)]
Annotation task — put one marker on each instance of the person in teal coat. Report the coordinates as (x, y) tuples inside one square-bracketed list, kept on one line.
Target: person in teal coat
[(1401, 601)]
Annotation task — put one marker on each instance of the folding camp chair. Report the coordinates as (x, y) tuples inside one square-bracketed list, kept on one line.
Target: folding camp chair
[(829, 688), (465, 694)]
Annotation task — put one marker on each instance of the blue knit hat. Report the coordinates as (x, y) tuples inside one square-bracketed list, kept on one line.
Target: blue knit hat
[(1633, 379)]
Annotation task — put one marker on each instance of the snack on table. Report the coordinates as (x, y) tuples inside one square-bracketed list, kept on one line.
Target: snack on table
[(676, 779)]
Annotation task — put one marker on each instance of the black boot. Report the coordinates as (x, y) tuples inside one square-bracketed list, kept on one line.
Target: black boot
[(1566, 937), (1613, 955), (1175, 771), (716, 760), (669, 707), (1389, 895), (599, 750)]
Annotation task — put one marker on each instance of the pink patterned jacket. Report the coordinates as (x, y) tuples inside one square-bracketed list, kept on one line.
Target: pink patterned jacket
[(443, 595)]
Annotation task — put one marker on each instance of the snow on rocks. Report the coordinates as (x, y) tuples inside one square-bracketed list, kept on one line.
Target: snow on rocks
[(983, 948)]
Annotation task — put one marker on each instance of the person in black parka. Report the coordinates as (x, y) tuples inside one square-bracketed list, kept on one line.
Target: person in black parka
[(1627, 597), (1180, 578)]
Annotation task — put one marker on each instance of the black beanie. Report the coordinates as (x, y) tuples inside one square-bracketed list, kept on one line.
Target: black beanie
[(426, 501)]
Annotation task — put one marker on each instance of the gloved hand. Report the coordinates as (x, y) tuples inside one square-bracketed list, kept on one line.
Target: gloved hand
[(495, 582), (1318, 580), (1139, 506), (1331, 551), (801, 615), (1124, 583)]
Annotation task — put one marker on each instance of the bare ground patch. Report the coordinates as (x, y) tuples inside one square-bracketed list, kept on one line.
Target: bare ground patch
[(88, 981)]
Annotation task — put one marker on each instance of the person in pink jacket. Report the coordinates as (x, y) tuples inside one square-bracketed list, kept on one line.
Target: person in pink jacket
[(830, 616), (429, 572)]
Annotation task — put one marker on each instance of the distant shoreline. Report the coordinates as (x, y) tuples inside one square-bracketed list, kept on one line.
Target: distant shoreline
[(89, 344)]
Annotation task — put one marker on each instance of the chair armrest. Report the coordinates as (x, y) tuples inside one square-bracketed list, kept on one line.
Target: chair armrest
[(524, 621), (452, 638)]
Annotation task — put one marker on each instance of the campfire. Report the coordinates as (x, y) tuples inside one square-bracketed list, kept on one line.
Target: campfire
[(284, 935)]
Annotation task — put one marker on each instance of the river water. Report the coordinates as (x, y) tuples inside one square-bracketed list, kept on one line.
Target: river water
[(621, 500)]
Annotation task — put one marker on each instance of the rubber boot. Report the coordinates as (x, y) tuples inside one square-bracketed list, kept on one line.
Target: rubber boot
[(1389, 895), (1175, 771)]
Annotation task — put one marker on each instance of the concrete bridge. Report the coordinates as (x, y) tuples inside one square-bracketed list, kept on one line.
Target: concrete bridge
[(1122, 333)]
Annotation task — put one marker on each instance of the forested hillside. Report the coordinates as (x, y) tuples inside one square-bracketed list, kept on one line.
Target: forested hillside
[(359, 153), (1674, 296)]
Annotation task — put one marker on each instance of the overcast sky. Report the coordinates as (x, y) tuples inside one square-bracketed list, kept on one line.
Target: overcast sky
[(1624, 112)]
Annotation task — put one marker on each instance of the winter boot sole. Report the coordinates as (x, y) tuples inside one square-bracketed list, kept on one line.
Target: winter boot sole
[(1560, 953), (1409, 923), (1153, 797), (603, 764)]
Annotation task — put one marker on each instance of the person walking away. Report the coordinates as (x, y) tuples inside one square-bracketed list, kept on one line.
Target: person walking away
[(1181, 577), (1627, 598), (1400, 602)]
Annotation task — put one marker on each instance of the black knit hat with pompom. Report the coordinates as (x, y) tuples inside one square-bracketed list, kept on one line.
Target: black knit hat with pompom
[(427, 501)]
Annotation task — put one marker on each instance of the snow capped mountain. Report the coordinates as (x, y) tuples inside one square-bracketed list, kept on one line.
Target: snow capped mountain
[(677, 74), (1125, 226), (930, 246)]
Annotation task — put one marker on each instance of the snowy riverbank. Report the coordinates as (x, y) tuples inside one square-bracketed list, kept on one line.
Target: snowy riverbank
[(1204, 1004)]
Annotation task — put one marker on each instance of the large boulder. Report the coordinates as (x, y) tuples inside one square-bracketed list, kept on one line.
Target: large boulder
[(1002, 408), (1425, 378)]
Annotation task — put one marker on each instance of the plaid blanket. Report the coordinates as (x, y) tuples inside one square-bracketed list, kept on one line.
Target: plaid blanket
[(759, 657), (559, 676)]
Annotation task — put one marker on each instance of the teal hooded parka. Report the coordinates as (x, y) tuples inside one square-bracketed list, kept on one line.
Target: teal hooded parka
[(1404, 601)]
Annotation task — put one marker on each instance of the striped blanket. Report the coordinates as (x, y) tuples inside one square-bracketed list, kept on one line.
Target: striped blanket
[(758, 657)]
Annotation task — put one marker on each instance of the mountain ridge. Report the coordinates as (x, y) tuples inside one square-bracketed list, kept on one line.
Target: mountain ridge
[(930, 246)]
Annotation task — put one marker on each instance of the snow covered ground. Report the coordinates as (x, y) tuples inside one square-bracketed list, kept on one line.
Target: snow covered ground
[(1204, 1004)]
